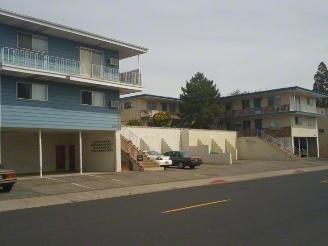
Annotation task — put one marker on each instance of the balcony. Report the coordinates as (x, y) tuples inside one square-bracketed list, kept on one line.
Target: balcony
[(275, 109), (57, 65), (151, 113)]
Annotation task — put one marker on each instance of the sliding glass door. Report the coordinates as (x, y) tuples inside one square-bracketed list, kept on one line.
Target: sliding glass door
[(91, 63)]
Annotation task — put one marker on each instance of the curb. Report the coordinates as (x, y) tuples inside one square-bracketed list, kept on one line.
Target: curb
[(34, 202)]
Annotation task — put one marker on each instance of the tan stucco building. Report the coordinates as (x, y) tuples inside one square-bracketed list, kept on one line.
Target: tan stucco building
[(289, 114), (144, 107)]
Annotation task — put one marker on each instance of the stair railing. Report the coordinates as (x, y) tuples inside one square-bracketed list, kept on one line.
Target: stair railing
[(135, 140), (280, 143)]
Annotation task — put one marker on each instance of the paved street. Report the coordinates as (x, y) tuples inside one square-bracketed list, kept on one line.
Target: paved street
[(65, 184), (286, 210), (72, 183)]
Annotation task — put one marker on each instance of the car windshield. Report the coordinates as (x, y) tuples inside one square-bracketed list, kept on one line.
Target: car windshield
[(186, 154), (153, 153)]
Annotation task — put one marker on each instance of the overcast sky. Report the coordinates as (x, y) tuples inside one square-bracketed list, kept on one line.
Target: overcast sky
[(246, 45)]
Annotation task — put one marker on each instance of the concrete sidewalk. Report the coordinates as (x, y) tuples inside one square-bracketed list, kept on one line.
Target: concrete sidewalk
[(60, 189)]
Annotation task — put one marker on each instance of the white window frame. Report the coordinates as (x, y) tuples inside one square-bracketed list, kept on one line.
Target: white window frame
[(299, 121), (311, 121), (129, 105), (275, 121), (92, 98), (310, 101), (31, 99), (32, 35), (275, 99)]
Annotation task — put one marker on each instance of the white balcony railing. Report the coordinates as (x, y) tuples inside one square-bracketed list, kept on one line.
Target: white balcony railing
[(306, 108), (40, 61), (275, 109)]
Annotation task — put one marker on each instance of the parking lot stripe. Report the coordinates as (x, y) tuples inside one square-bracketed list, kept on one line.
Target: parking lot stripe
[(96, 176), (325, 181), (82, 186), (56, 179), (121, 181), (195, 206)]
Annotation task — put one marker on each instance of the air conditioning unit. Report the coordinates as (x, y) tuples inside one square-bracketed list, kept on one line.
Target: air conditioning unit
[(113, 61), (113, 104)]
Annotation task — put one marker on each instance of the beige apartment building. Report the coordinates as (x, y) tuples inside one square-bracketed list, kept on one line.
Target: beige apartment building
[(288, 114), (144, 107)]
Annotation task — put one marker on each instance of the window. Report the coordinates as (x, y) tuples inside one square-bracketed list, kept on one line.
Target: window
[(310, 101), (298, 121), (229, 106), (127, 105), (164, 107), (246, 124), (311, 122), (172, 108), (321, 130), (229, 125), (245, 104), (151, 105), (275, 124), (32, 91), (274, 101), (31, 42), (93, 98)]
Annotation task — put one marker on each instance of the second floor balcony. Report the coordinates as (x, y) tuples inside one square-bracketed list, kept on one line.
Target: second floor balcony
[(42, 62), (294, 107), (151, 113)]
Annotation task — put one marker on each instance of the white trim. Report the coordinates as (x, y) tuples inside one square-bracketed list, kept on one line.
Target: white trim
[(122, 87), (92, 98), (51, 25), (27, 70), (31, 99), (32, 35)]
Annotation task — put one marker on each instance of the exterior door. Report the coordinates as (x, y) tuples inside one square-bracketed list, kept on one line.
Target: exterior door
[(297, 103), (257, 105), (60, 157), (258, 124), (71, 151), (90, 63)]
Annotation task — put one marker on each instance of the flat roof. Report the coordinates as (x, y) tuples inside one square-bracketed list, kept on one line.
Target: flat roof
[(49, 28), (150, 96), (286, 89)]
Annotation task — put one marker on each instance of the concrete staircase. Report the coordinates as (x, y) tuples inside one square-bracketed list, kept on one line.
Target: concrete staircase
[(131, 151), (287, 153), (280, 145)]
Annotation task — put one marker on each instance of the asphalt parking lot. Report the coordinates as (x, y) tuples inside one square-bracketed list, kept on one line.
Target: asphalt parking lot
[(53, 184)]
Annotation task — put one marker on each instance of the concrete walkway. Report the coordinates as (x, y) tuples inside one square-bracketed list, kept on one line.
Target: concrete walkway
[(30, 192)]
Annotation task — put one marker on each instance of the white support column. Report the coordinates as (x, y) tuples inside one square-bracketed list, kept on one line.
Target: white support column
[(80, 138), (299, 147), (307, 147), (40, 152), (139, 64), (118, 164)]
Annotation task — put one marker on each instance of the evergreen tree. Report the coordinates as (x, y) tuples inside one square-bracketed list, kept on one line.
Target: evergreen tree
[(200, 106), (321, 84)]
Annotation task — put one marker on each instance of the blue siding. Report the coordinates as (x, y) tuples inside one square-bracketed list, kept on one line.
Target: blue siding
[(57, 47), (63, 110)]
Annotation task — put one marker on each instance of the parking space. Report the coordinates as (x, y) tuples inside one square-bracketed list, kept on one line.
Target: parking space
[(61, 184)]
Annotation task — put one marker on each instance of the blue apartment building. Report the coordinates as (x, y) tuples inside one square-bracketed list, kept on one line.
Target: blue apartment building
[(60, 90)]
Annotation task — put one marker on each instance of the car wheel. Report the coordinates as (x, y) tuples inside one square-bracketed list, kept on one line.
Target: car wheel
[(191, 167), (7, 188), (181, 165)]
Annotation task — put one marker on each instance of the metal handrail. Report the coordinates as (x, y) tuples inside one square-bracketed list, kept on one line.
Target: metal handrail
[(135, 140), (42, 61), (282, 144)]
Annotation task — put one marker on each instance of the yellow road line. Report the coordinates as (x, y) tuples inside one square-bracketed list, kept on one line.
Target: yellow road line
[(324, 181), (195, 206)]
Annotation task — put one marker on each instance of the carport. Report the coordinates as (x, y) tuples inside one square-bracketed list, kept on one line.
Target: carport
[(49, 150)]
